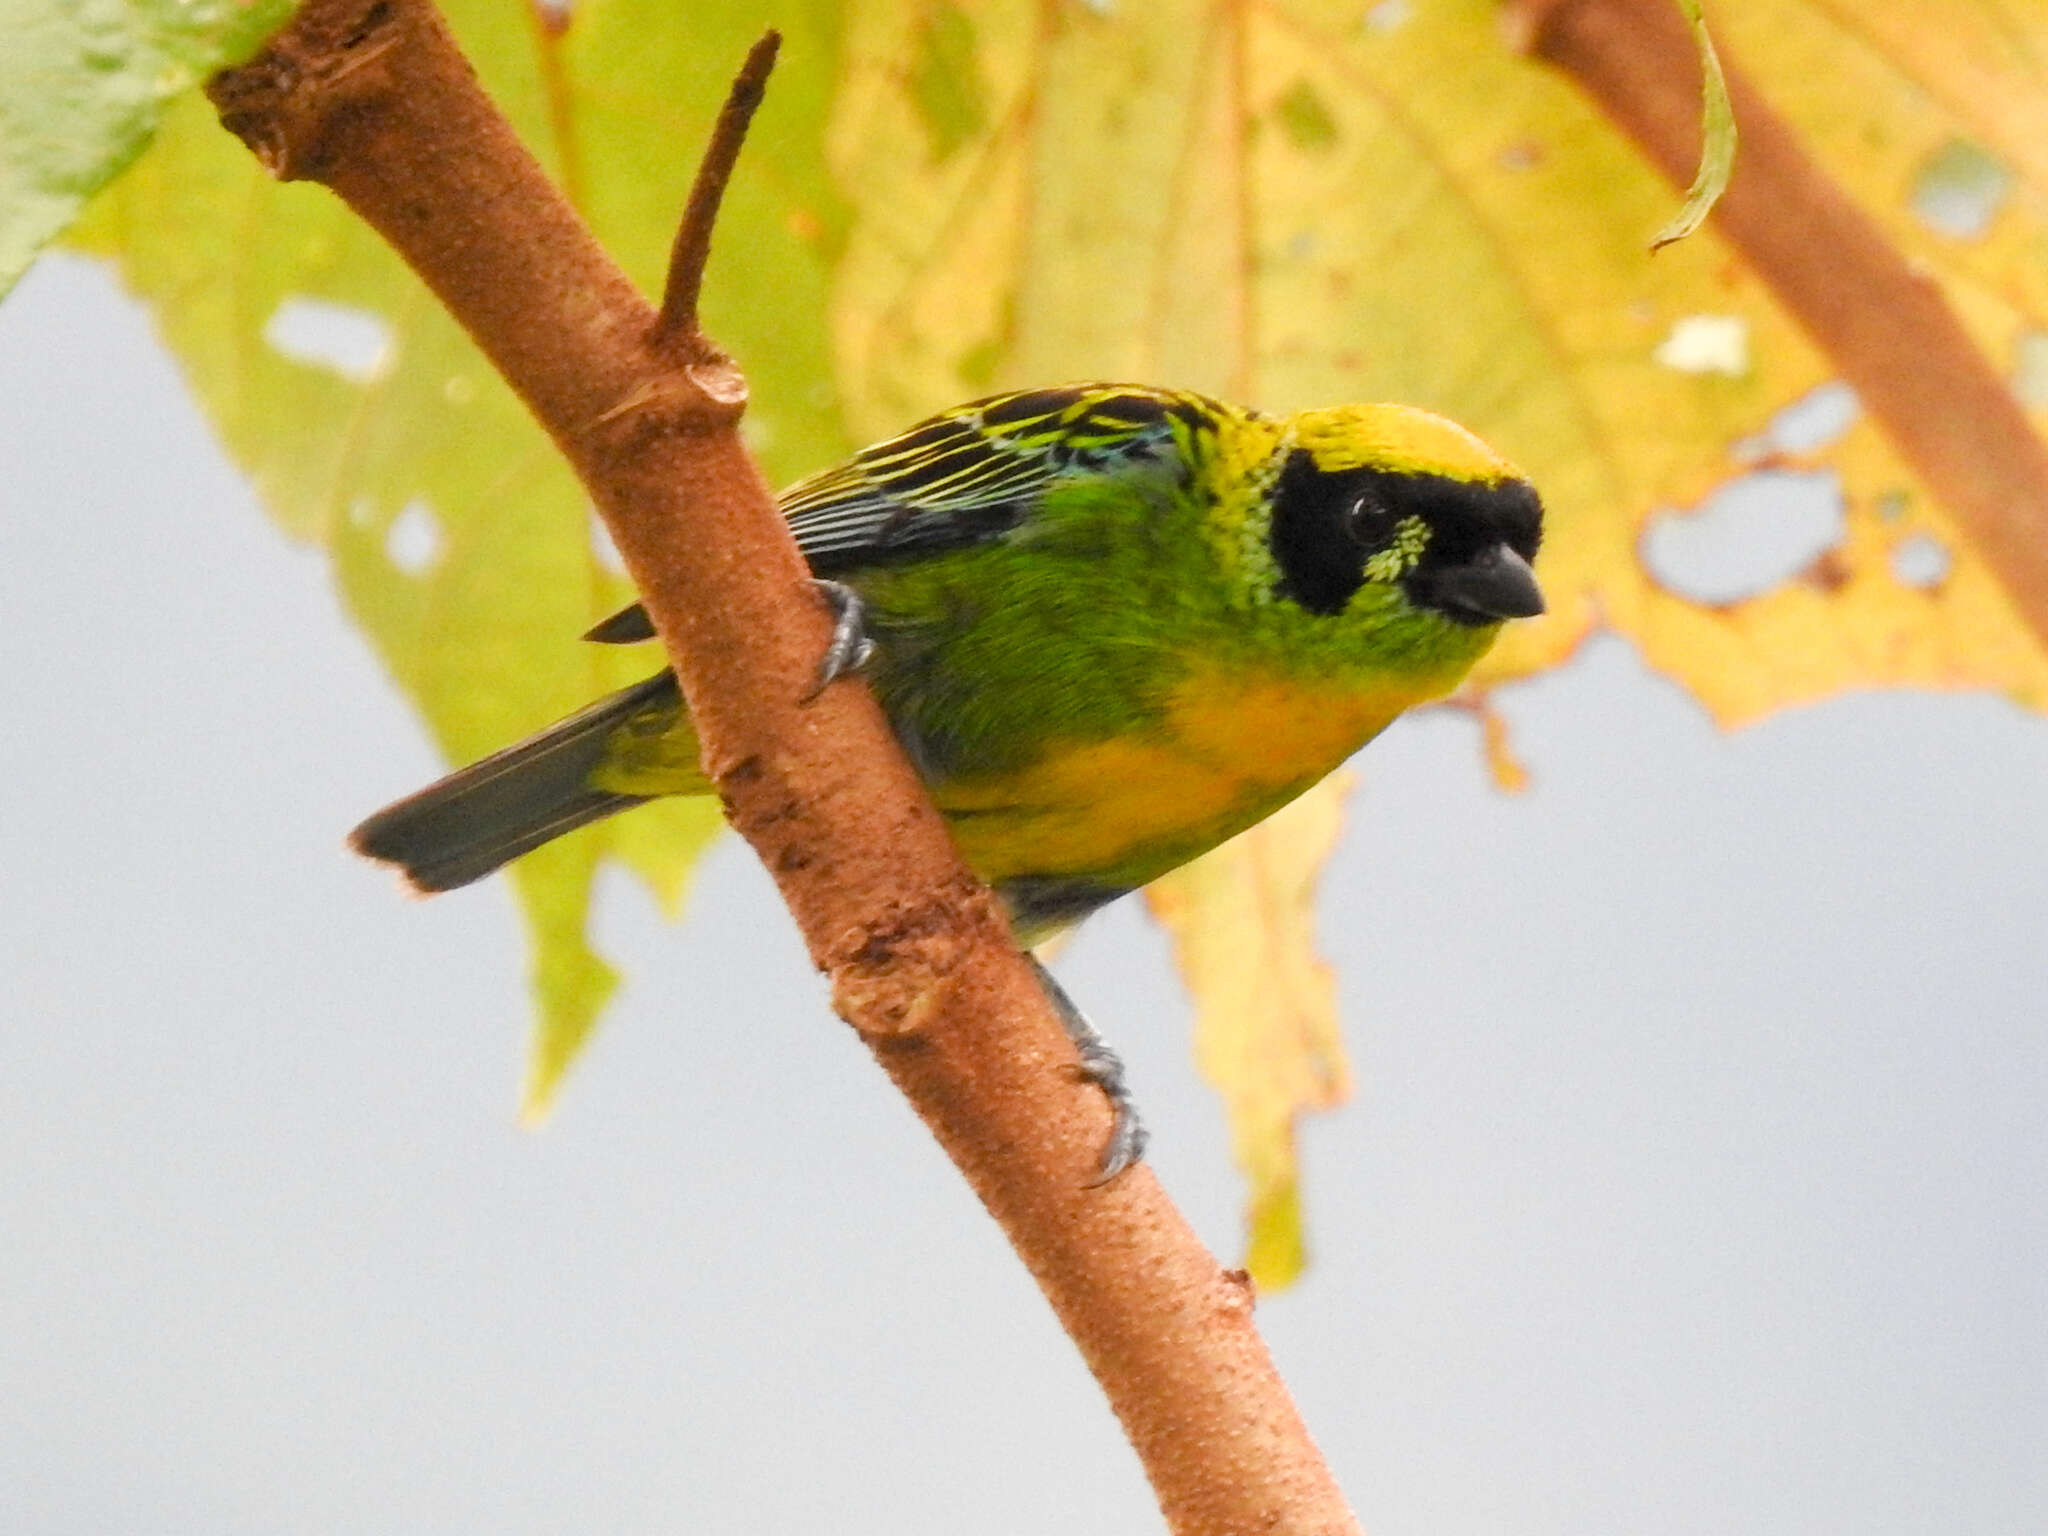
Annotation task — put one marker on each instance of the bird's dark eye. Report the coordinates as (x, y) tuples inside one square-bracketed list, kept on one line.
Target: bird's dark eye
[(1366, 521)]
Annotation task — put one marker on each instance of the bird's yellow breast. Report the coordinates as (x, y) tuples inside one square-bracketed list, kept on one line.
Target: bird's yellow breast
[(1228, 750)]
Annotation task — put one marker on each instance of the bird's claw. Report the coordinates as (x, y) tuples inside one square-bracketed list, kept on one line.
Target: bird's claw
[(850, 649), (1101, 1066), (1104, 1069)]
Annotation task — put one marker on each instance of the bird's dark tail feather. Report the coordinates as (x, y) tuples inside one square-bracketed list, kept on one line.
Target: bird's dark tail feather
[(462, 827)]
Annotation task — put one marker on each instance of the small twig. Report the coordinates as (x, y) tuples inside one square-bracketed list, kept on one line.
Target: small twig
[(693, 236)]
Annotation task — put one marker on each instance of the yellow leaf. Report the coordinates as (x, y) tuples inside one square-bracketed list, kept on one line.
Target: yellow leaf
[(1266, 1035), (1304, 202), (1294, 203)]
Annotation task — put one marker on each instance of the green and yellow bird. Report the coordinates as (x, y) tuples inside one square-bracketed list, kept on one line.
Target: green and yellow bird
[(1112, 625)]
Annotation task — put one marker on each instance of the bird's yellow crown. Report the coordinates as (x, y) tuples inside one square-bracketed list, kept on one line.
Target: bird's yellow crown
[(1399, 438)]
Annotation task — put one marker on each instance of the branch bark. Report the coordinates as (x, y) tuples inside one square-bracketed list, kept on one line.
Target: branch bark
[(373, 99), (1886, 325)]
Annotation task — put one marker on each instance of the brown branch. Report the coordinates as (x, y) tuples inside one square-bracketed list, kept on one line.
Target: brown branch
[(1885, 324), (693, 237), (371, 98)]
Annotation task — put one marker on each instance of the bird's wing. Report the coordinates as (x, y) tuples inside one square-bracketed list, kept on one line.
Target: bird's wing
[(968, 475)]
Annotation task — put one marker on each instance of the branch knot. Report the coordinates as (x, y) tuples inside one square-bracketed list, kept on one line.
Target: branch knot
[(895, 972), (286, 102)]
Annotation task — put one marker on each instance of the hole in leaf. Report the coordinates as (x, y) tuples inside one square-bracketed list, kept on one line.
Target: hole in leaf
[(758, 433), (2030, 369), (602, 546), (1756, 532), (351, 342), (1959, 190), (1815, 420), (413, 541), (1706, 344), (1921, 561)]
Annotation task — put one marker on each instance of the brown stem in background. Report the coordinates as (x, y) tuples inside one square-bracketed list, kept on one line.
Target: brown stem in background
[(372, 99), (1885, 325)]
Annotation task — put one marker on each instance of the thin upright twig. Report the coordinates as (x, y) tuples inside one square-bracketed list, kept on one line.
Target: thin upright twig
[(693, 236)]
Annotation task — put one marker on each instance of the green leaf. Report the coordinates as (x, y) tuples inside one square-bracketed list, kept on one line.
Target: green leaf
[(371, 426), (1717, 144), (82, 86)]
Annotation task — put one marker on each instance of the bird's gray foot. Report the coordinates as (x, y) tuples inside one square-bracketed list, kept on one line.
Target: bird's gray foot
[(1101, 1066), (850, 648)]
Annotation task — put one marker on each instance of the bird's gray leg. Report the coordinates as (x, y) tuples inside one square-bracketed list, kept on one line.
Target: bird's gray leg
[(1101, 1066), (850, 649)]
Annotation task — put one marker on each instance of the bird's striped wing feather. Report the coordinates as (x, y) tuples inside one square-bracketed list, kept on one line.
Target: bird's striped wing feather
[(966, 476)]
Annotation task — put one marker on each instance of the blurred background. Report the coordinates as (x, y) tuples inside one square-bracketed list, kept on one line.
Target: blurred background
[(1694, 1181)]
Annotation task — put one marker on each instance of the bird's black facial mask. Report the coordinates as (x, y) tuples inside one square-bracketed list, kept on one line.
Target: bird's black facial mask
[(1470, 563)]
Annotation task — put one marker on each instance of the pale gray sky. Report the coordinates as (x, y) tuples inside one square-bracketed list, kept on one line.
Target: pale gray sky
[(1696, 1181)]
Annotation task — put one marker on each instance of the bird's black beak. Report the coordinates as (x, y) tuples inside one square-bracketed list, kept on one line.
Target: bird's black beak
[(1494, 584)]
